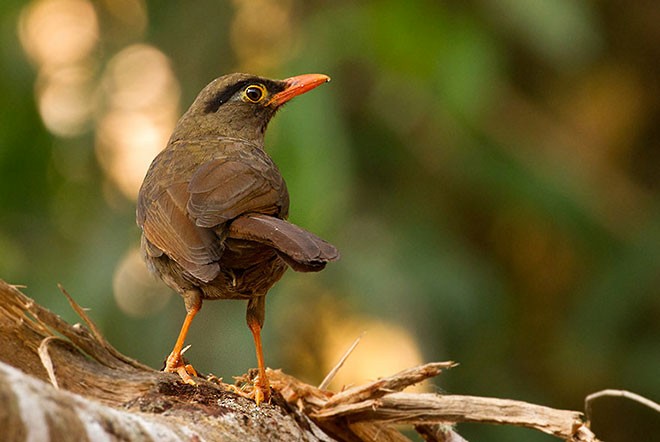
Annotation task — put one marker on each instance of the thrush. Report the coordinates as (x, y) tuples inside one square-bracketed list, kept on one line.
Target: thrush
[(213, 208)]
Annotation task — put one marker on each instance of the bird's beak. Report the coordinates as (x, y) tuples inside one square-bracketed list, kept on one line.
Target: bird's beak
[(297, 85)]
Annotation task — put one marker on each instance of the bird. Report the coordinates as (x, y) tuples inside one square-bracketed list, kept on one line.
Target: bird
[(213, 208)]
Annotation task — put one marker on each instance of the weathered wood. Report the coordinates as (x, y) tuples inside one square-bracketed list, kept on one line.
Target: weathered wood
[(66, 382), (99, 396), (386, 407), (387, 385), (421, 408)]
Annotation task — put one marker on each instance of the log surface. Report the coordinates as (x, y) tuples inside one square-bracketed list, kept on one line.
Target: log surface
[(64, 382)]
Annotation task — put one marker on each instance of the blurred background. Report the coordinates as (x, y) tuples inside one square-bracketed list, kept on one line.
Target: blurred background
[(490, 171)]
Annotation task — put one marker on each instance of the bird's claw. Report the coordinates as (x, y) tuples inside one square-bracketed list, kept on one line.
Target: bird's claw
[(176, 365), (185, 372), (257, 392)]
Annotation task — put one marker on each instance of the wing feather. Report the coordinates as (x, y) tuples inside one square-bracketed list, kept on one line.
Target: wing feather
[(184, 216), (222, 189), (168, 227), (301, 249)]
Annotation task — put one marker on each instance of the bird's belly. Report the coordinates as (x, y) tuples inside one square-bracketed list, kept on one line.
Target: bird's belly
[(243, 254), (247, 269)]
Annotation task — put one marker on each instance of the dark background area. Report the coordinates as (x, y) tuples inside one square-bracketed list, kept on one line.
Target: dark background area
[(489, 170)]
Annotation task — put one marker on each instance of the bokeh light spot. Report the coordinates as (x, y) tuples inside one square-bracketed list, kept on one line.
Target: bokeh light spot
[(136, 291), (65, 99), (140, 77), (142, 106), (384, 349), (127, 142), (58, 32)]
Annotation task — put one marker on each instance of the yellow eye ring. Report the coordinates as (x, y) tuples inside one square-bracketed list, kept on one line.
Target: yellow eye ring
[(254, 93)]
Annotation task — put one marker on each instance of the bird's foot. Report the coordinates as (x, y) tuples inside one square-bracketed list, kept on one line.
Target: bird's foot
[(257, 390), (176, 364)]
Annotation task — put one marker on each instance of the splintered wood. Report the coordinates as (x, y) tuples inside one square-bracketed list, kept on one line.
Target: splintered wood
[(382, 402), (74, 374)]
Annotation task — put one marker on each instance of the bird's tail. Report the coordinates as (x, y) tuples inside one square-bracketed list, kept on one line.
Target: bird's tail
[(302, 250)]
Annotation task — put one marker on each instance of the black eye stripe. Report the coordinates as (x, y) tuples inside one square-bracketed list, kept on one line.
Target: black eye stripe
[(225, 94)]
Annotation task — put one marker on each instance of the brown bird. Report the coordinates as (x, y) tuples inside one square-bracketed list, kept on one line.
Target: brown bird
[(213, 205)]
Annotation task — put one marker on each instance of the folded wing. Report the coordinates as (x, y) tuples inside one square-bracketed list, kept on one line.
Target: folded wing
[(185, 220), (168, 228), (221, 190), (302, 250)]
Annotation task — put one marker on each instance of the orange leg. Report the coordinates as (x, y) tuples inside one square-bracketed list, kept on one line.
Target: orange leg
[(255, 320), (174, 362)]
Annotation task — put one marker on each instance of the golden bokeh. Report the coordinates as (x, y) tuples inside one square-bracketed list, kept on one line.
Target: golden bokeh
[(126, 144), (134, 104), (136, 291), (140, 77), (141, 96), (384, 349), (60, 37), (66, 99), (58, 32)]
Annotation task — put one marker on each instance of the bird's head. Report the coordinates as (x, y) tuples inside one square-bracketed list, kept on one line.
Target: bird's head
[(241, 105)]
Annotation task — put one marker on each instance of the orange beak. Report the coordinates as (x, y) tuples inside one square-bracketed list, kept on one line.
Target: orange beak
[(297, 85)]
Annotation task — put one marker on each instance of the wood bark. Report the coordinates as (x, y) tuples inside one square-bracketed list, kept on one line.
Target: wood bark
[(65, 382)]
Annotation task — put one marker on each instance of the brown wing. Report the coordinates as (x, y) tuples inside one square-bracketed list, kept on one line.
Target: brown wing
[(181, 220), (167, 227), (302, 250), (222, 189)]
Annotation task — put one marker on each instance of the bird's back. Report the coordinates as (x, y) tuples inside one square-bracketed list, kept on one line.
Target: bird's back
[(191, 193)]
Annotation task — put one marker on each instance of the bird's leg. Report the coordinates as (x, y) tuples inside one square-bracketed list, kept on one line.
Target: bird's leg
[(175, 362), (256, 312)]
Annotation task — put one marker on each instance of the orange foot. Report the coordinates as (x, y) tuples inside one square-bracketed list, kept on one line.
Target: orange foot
[(175, 364), (258, 391)]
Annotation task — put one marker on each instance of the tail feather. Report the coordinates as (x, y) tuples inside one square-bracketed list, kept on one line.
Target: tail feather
[(302, 250)]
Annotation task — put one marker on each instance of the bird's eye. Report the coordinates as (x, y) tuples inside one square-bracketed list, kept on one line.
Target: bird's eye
[(254, 93)]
